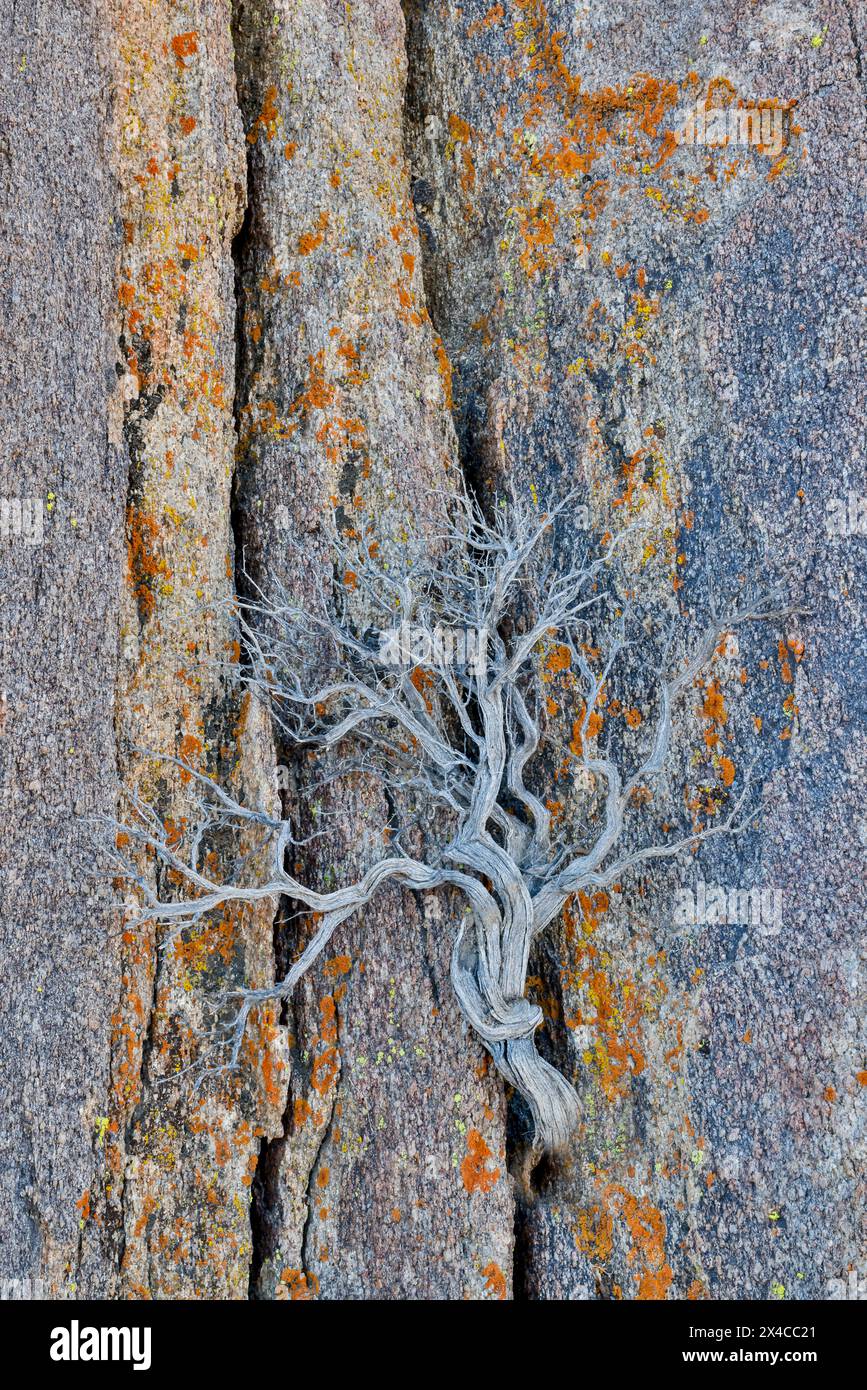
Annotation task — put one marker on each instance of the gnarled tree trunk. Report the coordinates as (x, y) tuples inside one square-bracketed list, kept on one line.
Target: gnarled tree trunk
[(272, 269)]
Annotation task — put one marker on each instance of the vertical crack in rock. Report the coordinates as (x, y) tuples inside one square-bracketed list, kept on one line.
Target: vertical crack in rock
[(251, 29), (181, 1160), (264, 1203), (343, 411), (856, 47), (428, 178), (570, 292)]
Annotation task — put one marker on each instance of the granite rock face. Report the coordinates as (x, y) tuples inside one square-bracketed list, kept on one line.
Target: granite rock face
[(279, 271)]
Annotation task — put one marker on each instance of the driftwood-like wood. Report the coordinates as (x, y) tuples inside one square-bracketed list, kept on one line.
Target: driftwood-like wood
[(443, 702), (280, 282)]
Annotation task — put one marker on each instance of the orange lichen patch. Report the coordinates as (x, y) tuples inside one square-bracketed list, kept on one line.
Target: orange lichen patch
[(674, 1055), (185, 46), (614, 1009), (594, 1235), (494, 15), (785, 664), (632, 717), (459, 129), (444, 367), (322, 1177), (311, 240), (727, 771), (318, 394), (592, 909), (537, 226), (176, 364), (302, 1111), (777, 167), (142, 560), (338, 965), (301, 1287), (218, 939), (149, 1206), (424, 682), (350, 356), (327, 1064), (558, 659), (631, 474), (594, 727), (252, 1164), (175, 830), (290, 149), (187, 124), (713, 707), (268, 119), (189, 751), (476, 1175), (617, 1052), (272, 1070), (830, 1094), (409, 312), (861, 1078), (339, 433), (646, 1226), (567, 161), (324, 1070), (546, 999), (796, 647), (460, 133), (495, 1281), (83, 1205)]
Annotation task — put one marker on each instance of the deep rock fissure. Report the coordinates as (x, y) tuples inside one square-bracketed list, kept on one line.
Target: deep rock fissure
[(263, 1193), (521, 1161), (266, 1204)]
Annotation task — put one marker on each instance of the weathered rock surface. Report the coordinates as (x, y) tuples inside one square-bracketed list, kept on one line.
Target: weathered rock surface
[(283, 269)]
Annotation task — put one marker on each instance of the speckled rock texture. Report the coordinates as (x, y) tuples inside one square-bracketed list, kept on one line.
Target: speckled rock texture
[(274, 271)]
